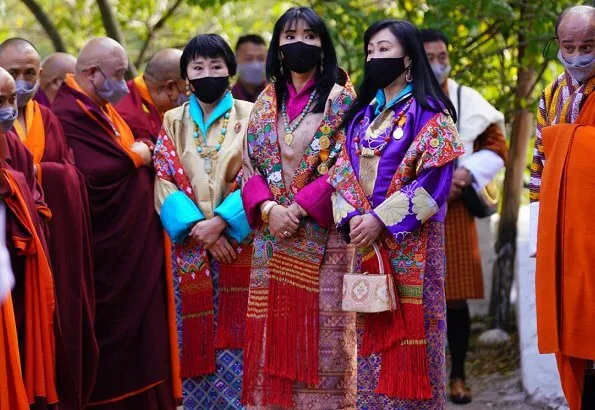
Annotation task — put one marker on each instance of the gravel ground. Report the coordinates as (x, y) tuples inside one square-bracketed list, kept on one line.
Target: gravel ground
[(498, 391)]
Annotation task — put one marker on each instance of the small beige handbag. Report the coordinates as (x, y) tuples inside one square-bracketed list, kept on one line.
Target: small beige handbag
[(368, 293)]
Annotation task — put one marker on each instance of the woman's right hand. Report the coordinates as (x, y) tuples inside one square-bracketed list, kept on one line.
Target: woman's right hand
[(222, 250), (282, 222)]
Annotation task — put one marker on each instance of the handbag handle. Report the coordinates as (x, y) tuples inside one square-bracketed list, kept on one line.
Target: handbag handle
[(376, 251)]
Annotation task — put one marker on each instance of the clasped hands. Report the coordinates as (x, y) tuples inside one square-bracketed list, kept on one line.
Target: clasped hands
[(284, 221), (208, 233), (364, 230)]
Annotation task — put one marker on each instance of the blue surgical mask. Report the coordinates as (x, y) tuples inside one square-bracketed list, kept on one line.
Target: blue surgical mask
[(441, 71), (252, 73), (25, 91), (581, 68), (112, 90), (182, 98), (7, 117)]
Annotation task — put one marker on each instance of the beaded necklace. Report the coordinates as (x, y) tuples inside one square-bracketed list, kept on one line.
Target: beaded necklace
[(377, 145), (290, 128), (209, 153)]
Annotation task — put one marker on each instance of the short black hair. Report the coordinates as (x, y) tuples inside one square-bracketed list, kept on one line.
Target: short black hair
[(211, 46), (250, 38), (429, 35), (328, 70)]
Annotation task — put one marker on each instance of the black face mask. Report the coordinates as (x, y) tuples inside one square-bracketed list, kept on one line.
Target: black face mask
[(380, 72), (209, 89), (300, 57)]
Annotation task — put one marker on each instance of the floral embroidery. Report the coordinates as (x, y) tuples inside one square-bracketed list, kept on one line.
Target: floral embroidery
[(341, 208), (424, 206), (394, 209), (264, 151)]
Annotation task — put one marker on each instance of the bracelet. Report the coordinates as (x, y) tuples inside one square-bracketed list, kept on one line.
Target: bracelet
[(267, 210)]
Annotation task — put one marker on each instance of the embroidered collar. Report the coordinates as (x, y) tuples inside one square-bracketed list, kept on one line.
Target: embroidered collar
[(381, 104), (225, 104)]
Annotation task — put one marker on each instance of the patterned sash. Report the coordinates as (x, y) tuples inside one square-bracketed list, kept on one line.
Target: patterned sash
[(400, 336), (284, 283), (193, 272)]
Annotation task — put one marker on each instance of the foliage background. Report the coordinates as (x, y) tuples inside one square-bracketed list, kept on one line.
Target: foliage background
[(484, 34)]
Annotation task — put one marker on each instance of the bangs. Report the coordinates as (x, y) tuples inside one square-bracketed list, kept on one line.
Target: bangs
[(290, 20), (208, 46)]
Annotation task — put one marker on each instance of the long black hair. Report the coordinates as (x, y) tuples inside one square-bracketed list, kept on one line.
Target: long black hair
[(426, 90), (327, 71)]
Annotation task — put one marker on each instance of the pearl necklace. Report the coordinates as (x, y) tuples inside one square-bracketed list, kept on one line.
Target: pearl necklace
[(381, 143), (290, 128), (209, 153)]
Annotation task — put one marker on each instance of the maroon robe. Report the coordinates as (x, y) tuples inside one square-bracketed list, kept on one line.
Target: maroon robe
[(142, 116), (41, 98), (18, 160), (127, 239), (77, 352)]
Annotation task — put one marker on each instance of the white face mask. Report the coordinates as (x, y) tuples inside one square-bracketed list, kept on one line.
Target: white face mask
[(441, 71), (581, 68)]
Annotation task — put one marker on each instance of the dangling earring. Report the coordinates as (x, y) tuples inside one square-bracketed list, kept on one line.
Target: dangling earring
[(322, 64), (408, 76), (188, 90)]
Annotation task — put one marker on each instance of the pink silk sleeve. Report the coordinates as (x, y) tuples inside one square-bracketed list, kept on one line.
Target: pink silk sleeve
[(315, 198), (254, 192)]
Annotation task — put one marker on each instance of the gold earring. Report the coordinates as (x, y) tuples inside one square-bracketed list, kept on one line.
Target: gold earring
[(188, 91), (408, 76)]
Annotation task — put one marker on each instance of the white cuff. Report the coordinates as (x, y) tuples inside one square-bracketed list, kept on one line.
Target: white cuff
[(533, 218), (483, 165)]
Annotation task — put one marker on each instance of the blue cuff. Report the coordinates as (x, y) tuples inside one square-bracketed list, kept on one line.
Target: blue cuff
[(232, 211), (178, 215)]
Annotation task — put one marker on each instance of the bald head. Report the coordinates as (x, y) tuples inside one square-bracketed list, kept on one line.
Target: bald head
[(100, 69), (575, 32), (20, 58), (8, 98), (163, 79), (164, 65), (101, 52), (53, 72)]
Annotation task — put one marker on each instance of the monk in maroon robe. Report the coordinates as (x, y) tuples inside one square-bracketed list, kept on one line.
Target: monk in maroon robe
[(31, 373), (69, 230), (54, 70), (158, 90), (131, 320)]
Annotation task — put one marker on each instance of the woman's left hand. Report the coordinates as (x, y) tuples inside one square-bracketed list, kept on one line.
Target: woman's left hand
[(207, 232), (366, 231)]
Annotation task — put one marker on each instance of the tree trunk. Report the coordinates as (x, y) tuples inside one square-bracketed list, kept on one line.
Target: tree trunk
[(152, 30), (522, 128), (47, 24), (113, 30)]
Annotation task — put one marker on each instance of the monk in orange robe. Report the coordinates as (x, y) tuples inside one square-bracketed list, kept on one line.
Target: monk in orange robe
[(562, 194), (133, 293), (27, 364), (158, 90), (69, 229)]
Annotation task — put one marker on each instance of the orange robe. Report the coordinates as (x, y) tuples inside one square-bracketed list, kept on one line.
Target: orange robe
[(565, 284), (35, 293), (69, 243), (139, 111)]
